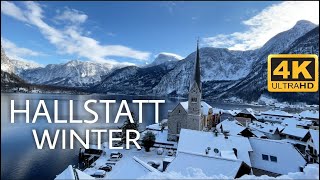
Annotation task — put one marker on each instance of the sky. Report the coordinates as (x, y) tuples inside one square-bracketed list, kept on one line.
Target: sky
[(136, 32)]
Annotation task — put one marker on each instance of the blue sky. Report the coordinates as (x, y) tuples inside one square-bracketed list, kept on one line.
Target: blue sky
[(135, 32)]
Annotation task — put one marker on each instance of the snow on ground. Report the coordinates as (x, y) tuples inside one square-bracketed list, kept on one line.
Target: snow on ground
[(311, 171), (128, 167)]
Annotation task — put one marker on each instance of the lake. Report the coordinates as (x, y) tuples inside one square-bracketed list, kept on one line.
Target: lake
[(20, 159)]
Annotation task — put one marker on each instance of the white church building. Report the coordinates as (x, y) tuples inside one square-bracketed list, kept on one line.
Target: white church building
[(193, 114)]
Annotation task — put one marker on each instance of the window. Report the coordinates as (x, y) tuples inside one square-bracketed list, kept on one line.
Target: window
[(273, 158), (265, 157)]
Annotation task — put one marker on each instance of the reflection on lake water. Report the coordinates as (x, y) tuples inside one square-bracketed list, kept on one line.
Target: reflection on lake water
[(20, 159)]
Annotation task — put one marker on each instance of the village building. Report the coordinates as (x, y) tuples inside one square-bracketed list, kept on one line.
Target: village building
[(274, 157), (233, 127), (193, 114), (312, 148), (270, 130), (274, 115), (214, 144), (297, 136), (310, 115), (305, 124), (212, 166), (245, 116), (216, 154)]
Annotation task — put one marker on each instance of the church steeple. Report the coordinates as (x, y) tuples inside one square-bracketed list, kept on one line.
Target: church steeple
[(194, 99), (196, 72)]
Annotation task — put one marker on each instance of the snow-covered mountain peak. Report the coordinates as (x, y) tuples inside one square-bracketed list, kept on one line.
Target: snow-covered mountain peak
[(5, 62), (304, 24), (166, 57)]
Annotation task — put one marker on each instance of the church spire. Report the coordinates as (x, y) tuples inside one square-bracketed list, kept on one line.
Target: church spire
[(197, 73)]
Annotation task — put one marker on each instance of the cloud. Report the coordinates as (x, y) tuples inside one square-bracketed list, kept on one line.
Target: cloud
[(170, 54), (71, 40), (11, 9), (18, 53), (266, 24), (71, 15)]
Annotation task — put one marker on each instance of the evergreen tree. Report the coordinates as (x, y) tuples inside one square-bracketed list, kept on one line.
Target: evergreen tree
[(128, 125), (148, 140)]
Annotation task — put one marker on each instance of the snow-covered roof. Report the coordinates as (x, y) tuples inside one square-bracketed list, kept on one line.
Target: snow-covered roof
[(309, 114), (210, 165), (258, 133), (265, 127), (161, 137), (276, 113), (155, 126), (129, 168), (202, 140), (233, 126), (247, 111), (69, 174), (295, 122), (205, 107), (288, 158), (315, 138), (232, 112), (295, 131)]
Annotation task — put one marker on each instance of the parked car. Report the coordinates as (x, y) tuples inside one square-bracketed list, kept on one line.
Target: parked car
[(170, 152), (115, 154), (99, 174), (154, 164), (106, 168)]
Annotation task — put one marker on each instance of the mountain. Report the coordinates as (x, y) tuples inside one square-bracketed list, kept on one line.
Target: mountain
[(173, 77), (71, 74), (15, 66), (10, 78), (255, 83), (283, 40), (216, 64), (165, 57), (10, 82), (20, 66), (6, 65), (132, 80), (225, 74)]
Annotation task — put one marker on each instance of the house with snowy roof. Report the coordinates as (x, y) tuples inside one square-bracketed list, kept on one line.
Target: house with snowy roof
[(212, 166), (306, 124), (312, 148), (310, 114), (193, 114), (233, 127), (297, 136), (210, 151), (274, 157), (270, 130), (246, 115), (275, 115)]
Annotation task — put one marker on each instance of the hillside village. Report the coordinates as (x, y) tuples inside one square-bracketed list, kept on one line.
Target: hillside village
[(215, 143)]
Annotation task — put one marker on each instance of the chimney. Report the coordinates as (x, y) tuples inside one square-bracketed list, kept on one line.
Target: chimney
[(207, 150), (235, 152), (226, 134)]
